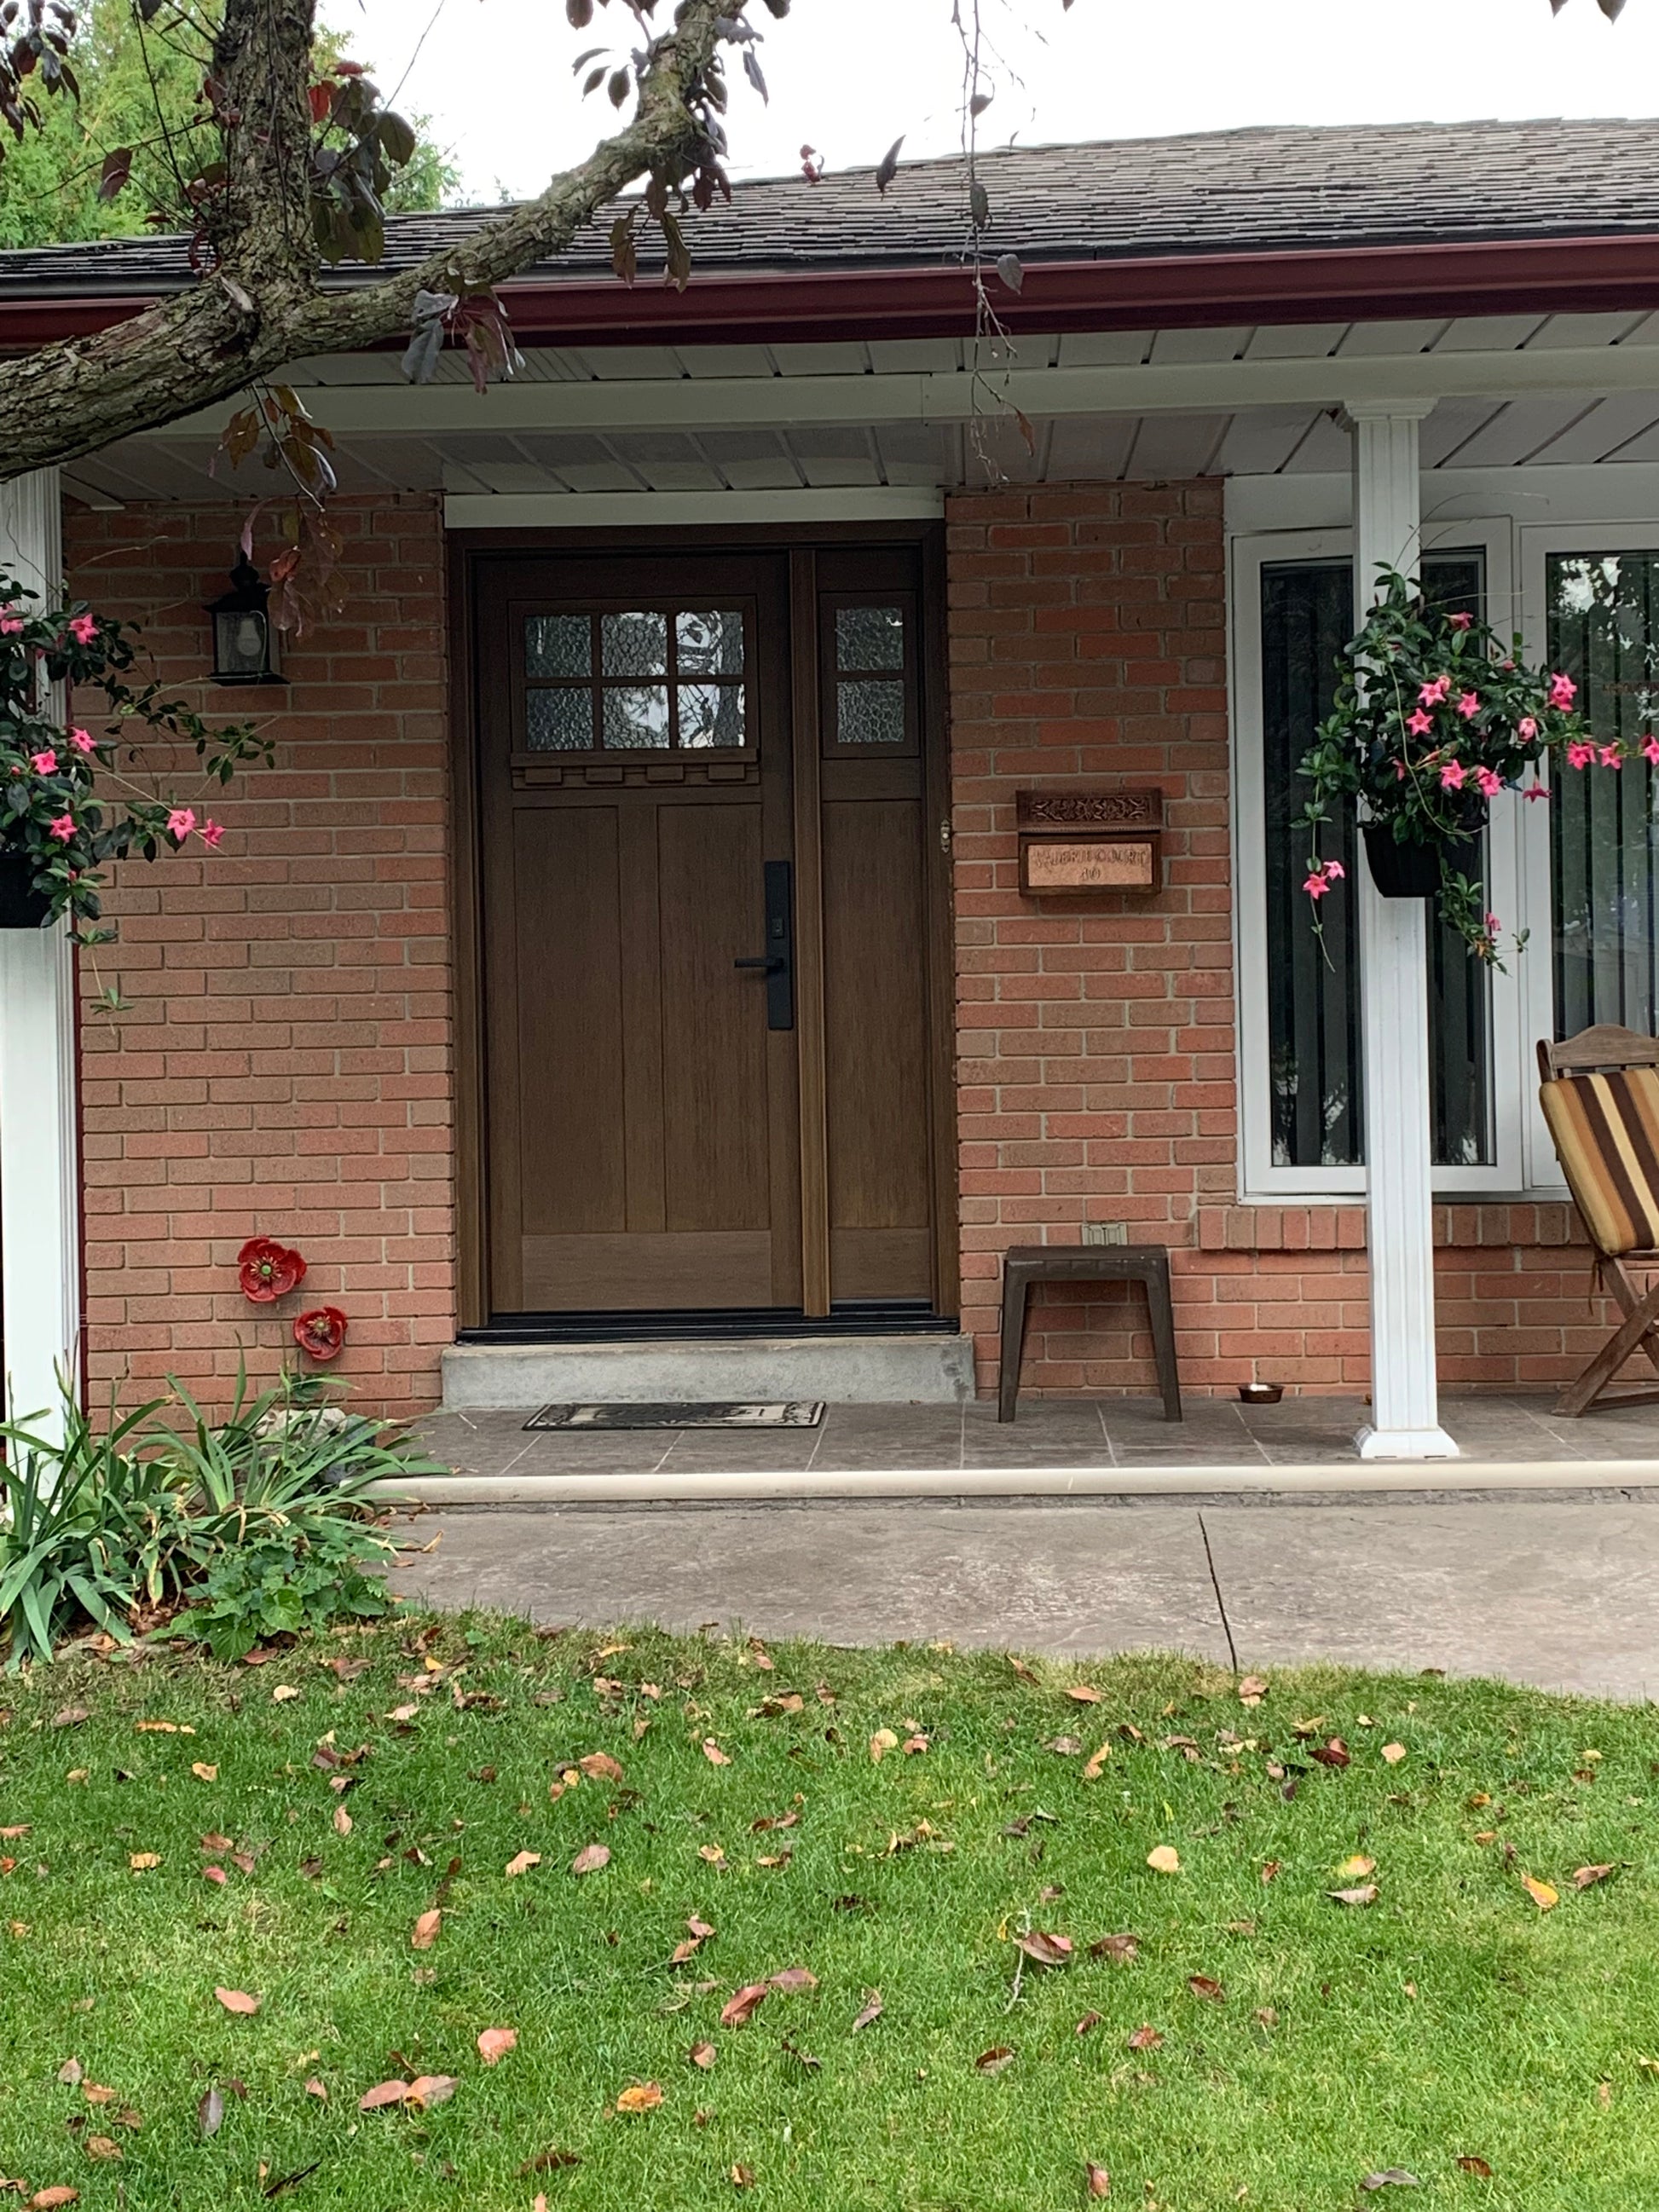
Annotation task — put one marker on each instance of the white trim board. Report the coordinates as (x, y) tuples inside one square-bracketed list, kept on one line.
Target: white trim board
[(606, 510)]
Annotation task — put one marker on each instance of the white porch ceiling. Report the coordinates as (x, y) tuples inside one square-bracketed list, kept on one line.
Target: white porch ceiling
[(910, 413)]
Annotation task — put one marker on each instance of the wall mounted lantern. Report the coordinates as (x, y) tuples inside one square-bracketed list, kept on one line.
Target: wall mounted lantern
[(244, 649)]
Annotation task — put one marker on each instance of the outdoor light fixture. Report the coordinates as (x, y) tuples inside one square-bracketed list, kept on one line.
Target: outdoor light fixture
[(244, 636)]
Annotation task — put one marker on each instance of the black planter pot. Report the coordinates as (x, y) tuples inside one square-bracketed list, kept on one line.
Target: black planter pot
[(1408, 871), (22, 906)]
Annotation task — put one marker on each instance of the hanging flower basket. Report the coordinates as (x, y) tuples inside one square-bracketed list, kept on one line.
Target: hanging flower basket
[(1434, 717)]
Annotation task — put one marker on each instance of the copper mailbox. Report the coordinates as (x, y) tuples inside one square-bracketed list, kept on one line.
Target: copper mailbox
[(1084, 839)]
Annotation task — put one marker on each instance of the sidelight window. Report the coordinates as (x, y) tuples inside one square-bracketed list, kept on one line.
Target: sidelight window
[(872, 691)]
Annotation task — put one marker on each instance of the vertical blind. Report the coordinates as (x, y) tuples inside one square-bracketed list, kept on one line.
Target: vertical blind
[(1605, 864), (1313, 994)]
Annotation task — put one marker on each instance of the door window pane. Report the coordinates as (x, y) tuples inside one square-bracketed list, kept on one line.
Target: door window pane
[(1313, 994), (559, 722), (634, 644), (869, 637), (666, 677), (1603, 610), (558, 644), (709, 644), (637, 717), (869, 712), (711, 713)]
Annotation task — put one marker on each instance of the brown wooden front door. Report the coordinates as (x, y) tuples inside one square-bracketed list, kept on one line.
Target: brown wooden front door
[(708, 1077)]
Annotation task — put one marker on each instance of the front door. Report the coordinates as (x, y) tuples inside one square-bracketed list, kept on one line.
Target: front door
[(706, 1004)]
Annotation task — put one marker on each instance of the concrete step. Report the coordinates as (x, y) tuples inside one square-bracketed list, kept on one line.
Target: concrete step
[(870, 1370)]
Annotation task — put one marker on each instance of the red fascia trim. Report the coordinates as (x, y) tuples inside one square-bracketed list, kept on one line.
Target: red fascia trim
[(1349, 284)]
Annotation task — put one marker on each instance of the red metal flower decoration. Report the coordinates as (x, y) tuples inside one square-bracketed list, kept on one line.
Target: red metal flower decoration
[(321, 1332), (269, 1270)]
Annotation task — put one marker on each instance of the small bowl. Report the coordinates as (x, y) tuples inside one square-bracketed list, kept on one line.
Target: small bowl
[(1261, 1394)]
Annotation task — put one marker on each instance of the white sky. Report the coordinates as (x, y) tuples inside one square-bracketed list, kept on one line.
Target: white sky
[(848, 75)]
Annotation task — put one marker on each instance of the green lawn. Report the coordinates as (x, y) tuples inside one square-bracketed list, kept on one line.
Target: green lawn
[(1451, 2018)]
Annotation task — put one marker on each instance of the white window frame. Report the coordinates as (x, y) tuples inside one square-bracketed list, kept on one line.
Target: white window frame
[(1513, 890), (1538, 542)]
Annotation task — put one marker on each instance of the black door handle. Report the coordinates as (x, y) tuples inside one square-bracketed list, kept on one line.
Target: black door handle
[(777, 964)]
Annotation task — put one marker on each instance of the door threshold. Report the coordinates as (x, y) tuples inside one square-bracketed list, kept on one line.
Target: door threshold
[(668, 1325)]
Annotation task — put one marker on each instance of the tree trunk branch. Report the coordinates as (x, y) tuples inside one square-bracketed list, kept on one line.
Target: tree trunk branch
[(263, 307)]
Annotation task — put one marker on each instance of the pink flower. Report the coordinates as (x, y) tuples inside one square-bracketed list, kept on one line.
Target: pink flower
[(1528, 728), (1432, 693), (44, 763), (1458, 622), (63, 829), (82, 740), (1334, 871), (211, 833), (1419, 724), (1535, 791), (1468, 706), (1563, 691), (1493, 925), (181, 821), (1580, 755), (1490, 781), (1451, 776), (83, 629), (1610, 757), (11, 626), (1315, 886), (1651, 749)]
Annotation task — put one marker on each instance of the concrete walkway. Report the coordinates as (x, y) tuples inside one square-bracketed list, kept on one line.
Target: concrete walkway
[(1561, 1592)]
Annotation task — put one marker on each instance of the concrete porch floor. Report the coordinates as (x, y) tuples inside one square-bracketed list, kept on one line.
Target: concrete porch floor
[(1087, 1434)]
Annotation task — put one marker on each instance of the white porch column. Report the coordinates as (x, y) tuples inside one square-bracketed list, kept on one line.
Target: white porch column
[(1405, 1421), (40, 1194)]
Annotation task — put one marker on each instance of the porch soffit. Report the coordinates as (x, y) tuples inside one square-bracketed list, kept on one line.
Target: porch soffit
[(1509, 391)]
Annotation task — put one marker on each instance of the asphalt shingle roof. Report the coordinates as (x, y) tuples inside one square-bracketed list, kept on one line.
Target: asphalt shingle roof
[(1254, 191)]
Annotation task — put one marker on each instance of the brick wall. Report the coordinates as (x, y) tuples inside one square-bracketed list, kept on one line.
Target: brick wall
[(284, 1064), (1097, 1068)]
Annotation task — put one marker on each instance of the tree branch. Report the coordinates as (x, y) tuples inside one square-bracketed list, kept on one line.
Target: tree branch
[(263, 307)]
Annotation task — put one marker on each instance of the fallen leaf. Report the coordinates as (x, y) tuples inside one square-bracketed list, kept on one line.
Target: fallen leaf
[(1021, 1669), (1164, 1858), (1144, 2039), (1586, 1877), (1100, 2182), (1046, 1950), (431, 2089), (1269, 1868), (1364, 1894), (548, 2161), (1545, 1896), (1090, 2020), (494, 2042), (702, 2055), (1064, 1746), (203, 1771), (881, 1743), (1393, 1753), (317, 2088), (994, 2060), (216, 1843), (95, 2093), (872, 2012), (237, 2001), (142, 1862), (792, 1980), (713, 1853), (210, 2112), (284, 1692), (1477, 2166), (1334, 1753), (699, 1928), (102, 2147), (71, 2073), (424, 1934), (342, 1822), (70, 1716), (713, 1753), (1120, 1949), (1392, 2177), (382, 2094), (1356, 1869), (642, 2097), (600, 1766), (1252, 1690), (590, 1858), (521, 1862), (47, 2200), (913, 1744), (1092, 1771), (742, 2177), (1202, 1986), (740, 2009), (1080, 1694)]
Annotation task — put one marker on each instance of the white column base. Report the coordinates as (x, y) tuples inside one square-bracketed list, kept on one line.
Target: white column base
[(1404, 1443)]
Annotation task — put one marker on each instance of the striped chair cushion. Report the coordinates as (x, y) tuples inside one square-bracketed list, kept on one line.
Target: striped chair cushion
[(1605, 1129)]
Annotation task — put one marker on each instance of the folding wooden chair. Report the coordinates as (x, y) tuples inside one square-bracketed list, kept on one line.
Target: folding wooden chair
[(1600, 1094)]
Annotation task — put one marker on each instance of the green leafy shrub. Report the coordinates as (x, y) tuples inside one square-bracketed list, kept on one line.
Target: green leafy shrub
[(262, 1518)]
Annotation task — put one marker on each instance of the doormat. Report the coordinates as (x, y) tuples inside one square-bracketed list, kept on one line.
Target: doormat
[(724, 1413)]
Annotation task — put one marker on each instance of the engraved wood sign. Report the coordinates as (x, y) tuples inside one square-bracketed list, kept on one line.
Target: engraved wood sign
[(1086, 839)]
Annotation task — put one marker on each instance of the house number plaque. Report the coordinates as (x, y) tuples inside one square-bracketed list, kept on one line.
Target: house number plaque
[(1077, 841)]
